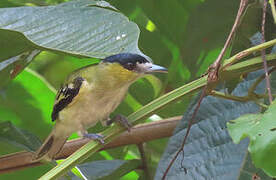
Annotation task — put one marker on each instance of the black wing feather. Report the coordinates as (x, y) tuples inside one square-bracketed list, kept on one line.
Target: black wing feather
[(68, 95)]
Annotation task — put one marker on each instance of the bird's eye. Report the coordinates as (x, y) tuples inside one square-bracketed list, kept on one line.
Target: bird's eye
[(129, 66)]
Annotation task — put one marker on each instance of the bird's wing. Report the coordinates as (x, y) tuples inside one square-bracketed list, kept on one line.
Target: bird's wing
[(65, 96)]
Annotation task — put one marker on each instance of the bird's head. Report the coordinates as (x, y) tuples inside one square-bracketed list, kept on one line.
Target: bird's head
[(133, 63), (127, 67)]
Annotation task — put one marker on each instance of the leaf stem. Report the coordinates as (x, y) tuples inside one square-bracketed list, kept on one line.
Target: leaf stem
[(272, 4), (247, 52), (230, 97)]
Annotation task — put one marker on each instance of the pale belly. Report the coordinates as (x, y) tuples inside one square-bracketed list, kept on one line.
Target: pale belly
[(86, 111)]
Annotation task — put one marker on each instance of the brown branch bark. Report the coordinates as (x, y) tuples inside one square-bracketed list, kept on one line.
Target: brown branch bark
[(139, 134), (214, 68), (268, 86), (144, 161)]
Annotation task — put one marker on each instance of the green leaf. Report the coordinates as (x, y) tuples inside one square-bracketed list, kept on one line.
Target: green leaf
[(11, 67), (82, 28), (261, 129), (240, 127), (18, 137), (109, 169)]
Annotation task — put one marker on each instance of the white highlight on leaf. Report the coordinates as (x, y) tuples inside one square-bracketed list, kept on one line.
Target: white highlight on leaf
[(120, 36), (155, 117)]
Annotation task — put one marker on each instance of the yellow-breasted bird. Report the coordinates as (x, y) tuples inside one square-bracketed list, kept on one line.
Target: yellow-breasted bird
[(89, 95)]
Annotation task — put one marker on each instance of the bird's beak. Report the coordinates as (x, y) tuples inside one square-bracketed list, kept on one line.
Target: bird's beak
[(155, 68)]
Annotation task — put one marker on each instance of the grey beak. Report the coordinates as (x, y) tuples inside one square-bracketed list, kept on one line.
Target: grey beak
[(156, 68)]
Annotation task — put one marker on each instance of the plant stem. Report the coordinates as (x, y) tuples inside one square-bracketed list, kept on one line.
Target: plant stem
[(272, 4), (230, 97), (268, 86), (144, 160), (258, 81), (247, 52)]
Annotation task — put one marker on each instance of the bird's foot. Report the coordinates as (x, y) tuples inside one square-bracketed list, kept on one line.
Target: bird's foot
[(96, 137), (121, 120)]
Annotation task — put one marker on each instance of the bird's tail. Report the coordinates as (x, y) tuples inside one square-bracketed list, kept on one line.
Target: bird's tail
[(51, 147)]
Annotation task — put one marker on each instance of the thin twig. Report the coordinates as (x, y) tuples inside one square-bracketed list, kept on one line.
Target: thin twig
[(144, 160), (259, 80), (268, 86), (230, 97), (214, 68), (272, 4), (251, 94), (190, 123), (234, 59)]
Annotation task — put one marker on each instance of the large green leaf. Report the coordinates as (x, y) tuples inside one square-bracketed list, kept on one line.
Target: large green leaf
[(261, 129), (83, 28), (209, 151)]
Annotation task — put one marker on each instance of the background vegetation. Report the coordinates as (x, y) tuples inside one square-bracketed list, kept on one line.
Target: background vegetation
[(184, 36)]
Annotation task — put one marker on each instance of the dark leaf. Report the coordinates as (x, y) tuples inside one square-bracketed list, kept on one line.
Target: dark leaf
[(18, 137), (109, 169)]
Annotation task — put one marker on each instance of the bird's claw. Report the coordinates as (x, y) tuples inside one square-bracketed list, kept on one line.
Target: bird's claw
[(96, 137), (121, 120)]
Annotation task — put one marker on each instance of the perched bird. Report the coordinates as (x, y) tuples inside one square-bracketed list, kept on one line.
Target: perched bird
[(89, 95)]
